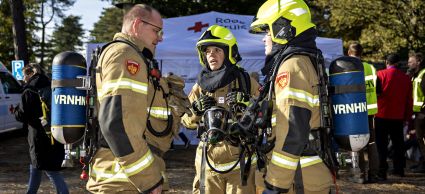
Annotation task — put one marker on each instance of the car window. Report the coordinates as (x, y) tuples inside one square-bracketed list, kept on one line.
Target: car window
[(10, 85)]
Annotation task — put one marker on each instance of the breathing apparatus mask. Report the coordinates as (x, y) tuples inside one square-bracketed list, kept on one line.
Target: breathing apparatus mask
[(215, 123)]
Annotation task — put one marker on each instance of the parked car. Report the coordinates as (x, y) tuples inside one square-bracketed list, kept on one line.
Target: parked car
[(10, 96)]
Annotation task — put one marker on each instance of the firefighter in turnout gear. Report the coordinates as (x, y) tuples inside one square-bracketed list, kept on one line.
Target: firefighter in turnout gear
[(124, 163), (221, 84), (292, 56)]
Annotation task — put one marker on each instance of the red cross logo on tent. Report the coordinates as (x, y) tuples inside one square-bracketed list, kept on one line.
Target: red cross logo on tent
[(198, 26)]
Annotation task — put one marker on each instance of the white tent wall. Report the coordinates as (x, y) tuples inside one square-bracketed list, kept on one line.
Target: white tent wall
[(177, 52)]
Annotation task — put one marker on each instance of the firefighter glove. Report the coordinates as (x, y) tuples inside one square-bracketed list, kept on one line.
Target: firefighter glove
[(178, 99), (202, 104), (237, 98)]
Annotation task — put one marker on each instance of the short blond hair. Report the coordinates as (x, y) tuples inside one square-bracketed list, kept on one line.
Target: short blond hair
[(142, 11)]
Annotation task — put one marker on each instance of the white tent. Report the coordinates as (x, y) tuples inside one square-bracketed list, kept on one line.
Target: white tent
[(177, 52)]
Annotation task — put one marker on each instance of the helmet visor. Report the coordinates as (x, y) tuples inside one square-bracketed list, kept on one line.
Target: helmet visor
[(258, 27), (204, 45)]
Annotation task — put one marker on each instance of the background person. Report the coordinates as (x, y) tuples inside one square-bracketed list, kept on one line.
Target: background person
[(356, 50), (415, 64), (394, 109), (416, 71), (46, 154)]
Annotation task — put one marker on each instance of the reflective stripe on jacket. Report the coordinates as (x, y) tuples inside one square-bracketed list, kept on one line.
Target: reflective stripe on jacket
[(159, 118)]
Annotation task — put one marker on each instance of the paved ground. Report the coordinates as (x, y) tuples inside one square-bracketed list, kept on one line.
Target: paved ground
[(14, 162)]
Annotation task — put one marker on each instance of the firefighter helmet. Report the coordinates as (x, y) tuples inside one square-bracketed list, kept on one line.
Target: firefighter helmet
[(285, 19), (221, 37)]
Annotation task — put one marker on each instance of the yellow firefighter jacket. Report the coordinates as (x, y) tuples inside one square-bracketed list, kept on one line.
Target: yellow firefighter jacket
[(297, 112), (221, 155), (127, 165)]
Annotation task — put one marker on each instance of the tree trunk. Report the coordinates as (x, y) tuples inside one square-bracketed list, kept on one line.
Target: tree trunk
[(43, 31), (43, 28), (19, 35)]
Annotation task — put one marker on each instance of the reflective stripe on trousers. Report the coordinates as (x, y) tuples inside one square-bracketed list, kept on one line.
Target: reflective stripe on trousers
[(291, 163), (121, 174)]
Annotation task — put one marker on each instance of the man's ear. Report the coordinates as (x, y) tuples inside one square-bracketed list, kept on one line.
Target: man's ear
[(135, 25)]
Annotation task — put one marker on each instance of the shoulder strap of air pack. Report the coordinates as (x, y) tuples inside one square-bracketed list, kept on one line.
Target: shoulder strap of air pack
[(154, 74), (244, 81), (144, 54)]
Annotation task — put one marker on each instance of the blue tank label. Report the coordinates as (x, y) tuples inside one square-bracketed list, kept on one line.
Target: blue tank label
[(68, 103), (349, 108), (68, 106), (70, 99)]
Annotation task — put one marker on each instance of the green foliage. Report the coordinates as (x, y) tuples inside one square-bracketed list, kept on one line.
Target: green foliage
[(49, 9), (6, 47), (175, 8), (32, 14), (67, 36), (382, 27), (6, 33), (109, 23), (33, 41), (60, 5)]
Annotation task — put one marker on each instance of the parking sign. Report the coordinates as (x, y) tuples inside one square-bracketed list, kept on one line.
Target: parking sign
[(17, 66)]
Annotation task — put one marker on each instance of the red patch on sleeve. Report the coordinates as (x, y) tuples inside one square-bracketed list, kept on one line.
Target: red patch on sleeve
[(132, 67), (282, 79)]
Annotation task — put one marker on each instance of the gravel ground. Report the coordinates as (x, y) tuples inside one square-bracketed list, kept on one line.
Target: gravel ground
[(14, 170)]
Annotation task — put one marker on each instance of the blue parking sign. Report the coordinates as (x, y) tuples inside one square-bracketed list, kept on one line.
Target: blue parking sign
[(17, 66)]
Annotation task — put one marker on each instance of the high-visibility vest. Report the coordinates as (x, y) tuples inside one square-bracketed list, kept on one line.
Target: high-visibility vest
[(418, 95), (370, 81)]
